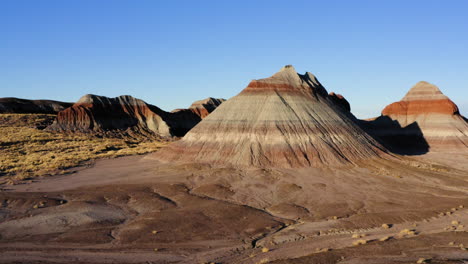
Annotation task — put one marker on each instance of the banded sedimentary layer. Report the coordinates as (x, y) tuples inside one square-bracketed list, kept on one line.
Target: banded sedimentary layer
[(286, 120), (204, 107), (424, 119), (94, 113)]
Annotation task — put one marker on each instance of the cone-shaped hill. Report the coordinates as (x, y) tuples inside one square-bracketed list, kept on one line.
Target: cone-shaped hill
[(286, 120), (424, 118)]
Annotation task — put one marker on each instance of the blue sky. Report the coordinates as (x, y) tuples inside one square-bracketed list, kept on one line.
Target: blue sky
[(171, 53)]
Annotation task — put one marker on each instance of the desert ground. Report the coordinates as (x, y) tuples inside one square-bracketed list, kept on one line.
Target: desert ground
[(136, 210)]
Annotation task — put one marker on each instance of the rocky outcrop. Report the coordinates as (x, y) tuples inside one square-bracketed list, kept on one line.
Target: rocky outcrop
[(204, 107), (339, 100), (424, 120), (24, 106), (185, 119), (94, 113), (287, 120)]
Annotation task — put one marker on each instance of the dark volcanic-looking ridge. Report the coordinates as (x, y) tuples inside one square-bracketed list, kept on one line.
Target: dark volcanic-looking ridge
[(25, 106)]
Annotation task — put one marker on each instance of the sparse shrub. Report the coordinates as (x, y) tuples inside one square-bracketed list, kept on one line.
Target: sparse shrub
[(383, 239), (263, 261), (408, 232), (358, 235), (360, 242), (423, 260), (265, 250), (387, 226)]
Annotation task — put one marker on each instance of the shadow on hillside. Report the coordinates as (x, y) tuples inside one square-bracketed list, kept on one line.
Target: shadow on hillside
[(408, 140)]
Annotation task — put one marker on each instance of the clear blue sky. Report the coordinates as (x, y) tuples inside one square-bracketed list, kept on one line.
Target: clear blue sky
[(171, 53)]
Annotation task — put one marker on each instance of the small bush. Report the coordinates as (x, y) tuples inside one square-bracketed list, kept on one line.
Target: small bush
[(360, 242), (408, 232), (387, 226), (383, 239), (423, 260), (358, 235)]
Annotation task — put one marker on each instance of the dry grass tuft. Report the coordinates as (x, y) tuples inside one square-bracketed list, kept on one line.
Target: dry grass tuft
[(27, 152), (265, 250)]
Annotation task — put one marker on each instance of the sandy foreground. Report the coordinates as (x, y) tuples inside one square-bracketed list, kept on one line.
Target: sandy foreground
[(137, 210)]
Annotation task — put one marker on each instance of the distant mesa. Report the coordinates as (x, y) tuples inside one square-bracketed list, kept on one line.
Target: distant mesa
[(424, 120), (286, 120), (23, 106), (93, 113)]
